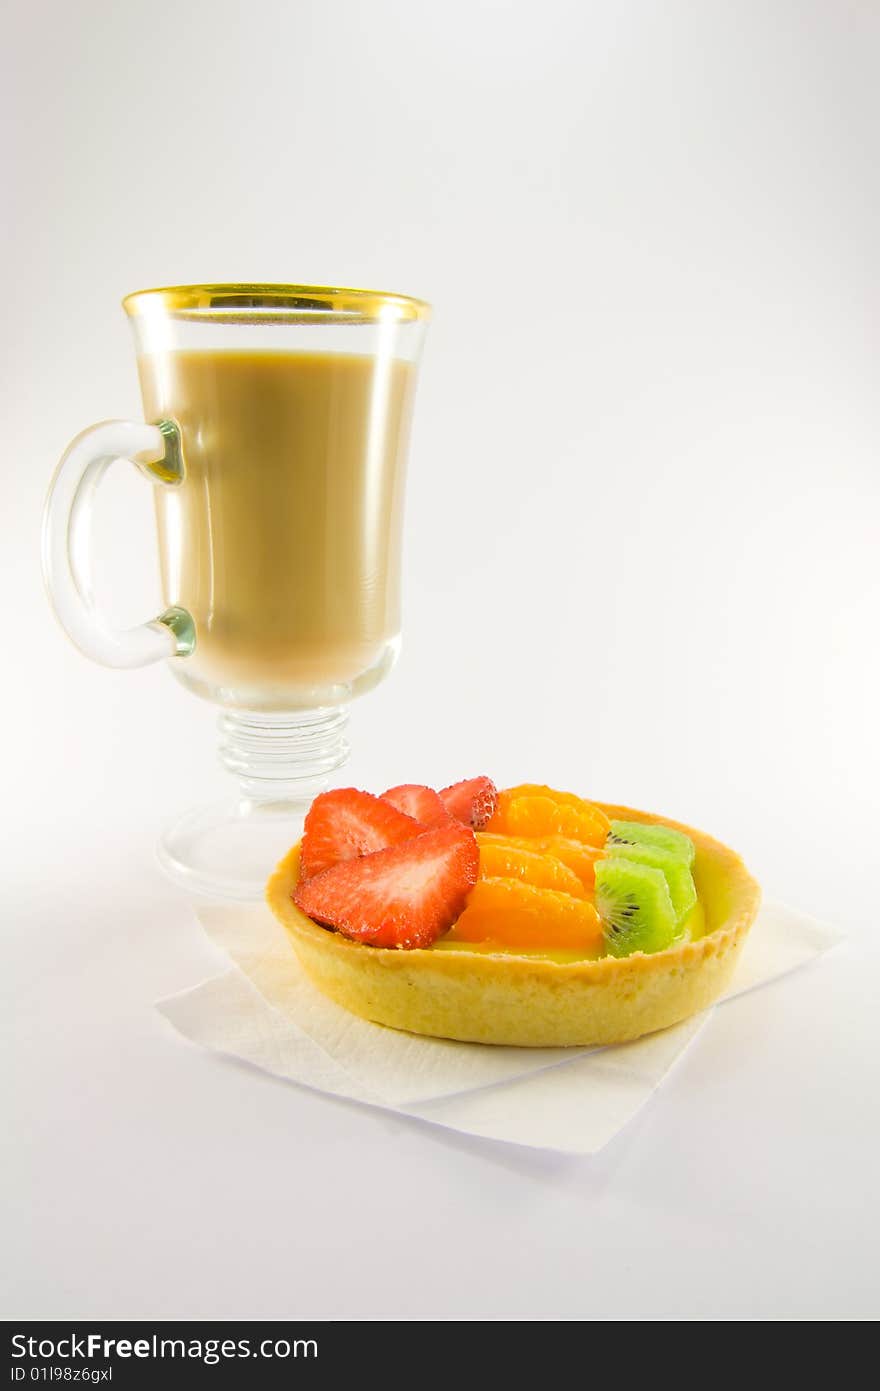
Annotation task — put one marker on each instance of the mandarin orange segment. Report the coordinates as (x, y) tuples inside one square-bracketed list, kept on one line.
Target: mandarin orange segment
[(534, 789), (499, 859), (540, 815), (576, 855), (517, 915)]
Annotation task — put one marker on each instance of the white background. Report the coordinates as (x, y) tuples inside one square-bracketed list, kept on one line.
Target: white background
[(641, 562)]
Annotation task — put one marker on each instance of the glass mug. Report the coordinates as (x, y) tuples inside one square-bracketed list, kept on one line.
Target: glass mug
[(277, 456)]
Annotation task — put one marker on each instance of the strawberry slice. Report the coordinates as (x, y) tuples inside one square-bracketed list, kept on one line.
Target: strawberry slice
[(345, 823), (423, 803), (472, 801), (406, 896)]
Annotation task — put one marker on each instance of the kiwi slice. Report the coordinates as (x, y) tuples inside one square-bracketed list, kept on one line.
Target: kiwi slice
[(635, 906), (678, 877), (645, 833)]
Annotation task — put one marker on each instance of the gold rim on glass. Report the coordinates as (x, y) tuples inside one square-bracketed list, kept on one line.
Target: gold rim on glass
[(276, 303)]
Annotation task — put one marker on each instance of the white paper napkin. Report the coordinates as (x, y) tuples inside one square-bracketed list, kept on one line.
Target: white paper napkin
[(265, 1011)]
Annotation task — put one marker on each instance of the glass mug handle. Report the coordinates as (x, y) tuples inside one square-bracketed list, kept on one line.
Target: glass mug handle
[(67, 524)]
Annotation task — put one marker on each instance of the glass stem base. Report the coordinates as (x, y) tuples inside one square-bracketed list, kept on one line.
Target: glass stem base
[(281, 762)]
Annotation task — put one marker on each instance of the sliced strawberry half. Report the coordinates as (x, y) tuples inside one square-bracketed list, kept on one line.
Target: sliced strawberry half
[(422, 803), (406, 896), (345, 823), (472, 801)]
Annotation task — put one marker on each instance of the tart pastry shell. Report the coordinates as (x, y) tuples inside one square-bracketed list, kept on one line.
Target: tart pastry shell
[(502, 998)]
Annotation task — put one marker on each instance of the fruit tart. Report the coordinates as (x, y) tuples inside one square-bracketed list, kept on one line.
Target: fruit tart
[(528, 917)]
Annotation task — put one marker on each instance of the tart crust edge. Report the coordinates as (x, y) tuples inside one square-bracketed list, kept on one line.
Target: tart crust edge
[(527, 1002)]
